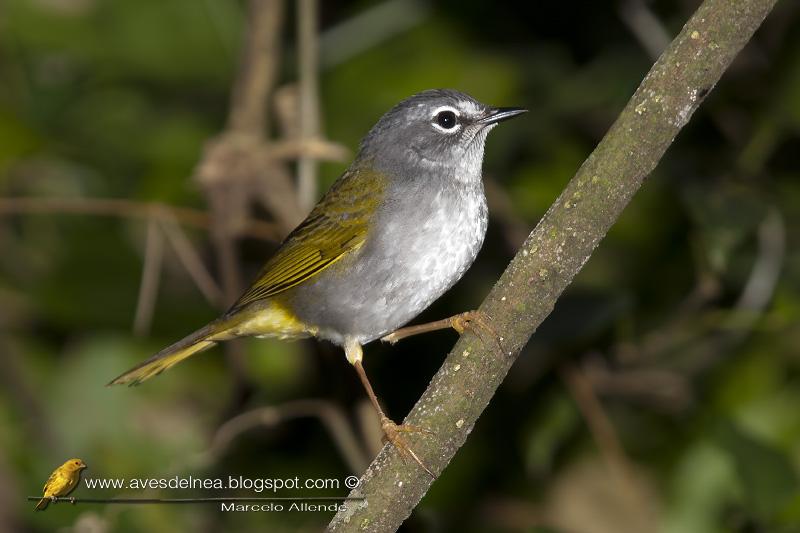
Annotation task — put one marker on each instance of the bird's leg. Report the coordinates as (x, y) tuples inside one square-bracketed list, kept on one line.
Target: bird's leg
[(475, 321), (72, 500), (391, 431)]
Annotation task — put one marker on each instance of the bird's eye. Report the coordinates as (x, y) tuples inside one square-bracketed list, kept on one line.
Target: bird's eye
[(446, 119)]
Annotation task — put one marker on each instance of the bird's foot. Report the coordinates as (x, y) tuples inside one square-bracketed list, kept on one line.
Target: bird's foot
[(480, 324), (72, 500), (392, 433), (476, 321)]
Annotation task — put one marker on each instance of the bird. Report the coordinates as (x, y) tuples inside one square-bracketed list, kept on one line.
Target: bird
[(393, 233), (61, 482)]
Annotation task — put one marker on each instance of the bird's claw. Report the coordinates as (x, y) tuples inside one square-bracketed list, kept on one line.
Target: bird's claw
[(479, 323), (392, 434)]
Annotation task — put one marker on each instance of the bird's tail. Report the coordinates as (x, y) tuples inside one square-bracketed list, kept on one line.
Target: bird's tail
[(170, 356), (42, 504), (265, 320)]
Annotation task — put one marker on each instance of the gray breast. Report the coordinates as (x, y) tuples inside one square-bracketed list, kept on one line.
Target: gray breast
[(424, 239)]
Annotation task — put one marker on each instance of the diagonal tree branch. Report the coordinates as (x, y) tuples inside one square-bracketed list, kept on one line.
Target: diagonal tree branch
[(553, 254)]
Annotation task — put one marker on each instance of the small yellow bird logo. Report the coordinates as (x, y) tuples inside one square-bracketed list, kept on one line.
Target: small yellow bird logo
[(61, 482)]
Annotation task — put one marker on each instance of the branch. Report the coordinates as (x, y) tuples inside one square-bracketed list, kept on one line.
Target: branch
[(151, 278), (229, 169), (258, 69), (191, 261), (308, 67), (121, 207), (553, 254), (603, 433), (332, 417)]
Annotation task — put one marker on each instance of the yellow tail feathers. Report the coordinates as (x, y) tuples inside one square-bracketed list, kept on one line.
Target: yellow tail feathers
[(42, 504), (266, 320), (168, 357)]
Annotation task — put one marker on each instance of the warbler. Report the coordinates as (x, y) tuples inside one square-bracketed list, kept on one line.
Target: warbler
[(61, 482), (402, 225)]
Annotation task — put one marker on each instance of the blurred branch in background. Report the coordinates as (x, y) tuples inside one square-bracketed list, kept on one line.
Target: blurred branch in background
[(151, 277), (190, 259), (227, 171), (751, 304), (330, 414), (124, 208), (602, 431), (760, 286), (644, 24), (369, 28), (553, 254), (239, 168), (160, 218), (308, 67), (658, 370), (242, 166)]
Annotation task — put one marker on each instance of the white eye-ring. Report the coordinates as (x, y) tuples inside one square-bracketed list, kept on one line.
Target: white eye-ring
[(445, 119)]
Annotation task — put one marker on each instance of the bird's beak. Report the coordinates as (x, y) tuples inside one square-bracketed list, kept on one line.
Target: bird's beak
[(499, 114)]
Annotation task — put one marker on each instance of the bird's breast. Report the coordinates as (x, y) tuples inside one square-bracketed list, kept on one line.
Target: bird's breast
[(421, 242), (433, 244)]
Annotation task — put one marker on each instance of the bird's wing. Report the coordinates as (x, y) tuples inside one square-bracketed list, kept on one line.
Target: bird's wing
[(50, 481), (56, 483), (337, 226)]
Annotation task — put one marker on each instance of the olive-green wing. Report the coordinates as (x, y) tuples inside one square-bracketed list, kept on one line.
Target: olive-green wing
[(335, 227)]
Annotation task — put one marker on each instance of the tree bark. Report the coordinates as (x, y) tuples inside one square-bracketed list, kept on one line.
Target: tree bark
[(552, 255)]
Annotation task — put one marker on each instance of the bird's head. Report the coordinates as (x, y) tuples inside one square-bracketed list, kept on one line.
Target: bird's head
[(440, 130), (74, 465)]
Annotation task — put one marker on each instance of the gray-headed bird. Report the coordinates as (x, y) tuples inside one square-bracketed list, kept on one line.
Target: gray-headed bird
[(402, 225)]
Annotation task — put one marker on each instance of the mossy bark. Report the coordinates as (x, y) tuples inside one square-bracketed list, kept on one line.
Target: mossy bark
[(552, 255)]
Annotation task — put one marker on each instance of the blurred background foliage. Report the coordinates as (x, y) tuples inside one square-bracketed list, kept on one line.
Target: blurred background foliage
[(661, 395)]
